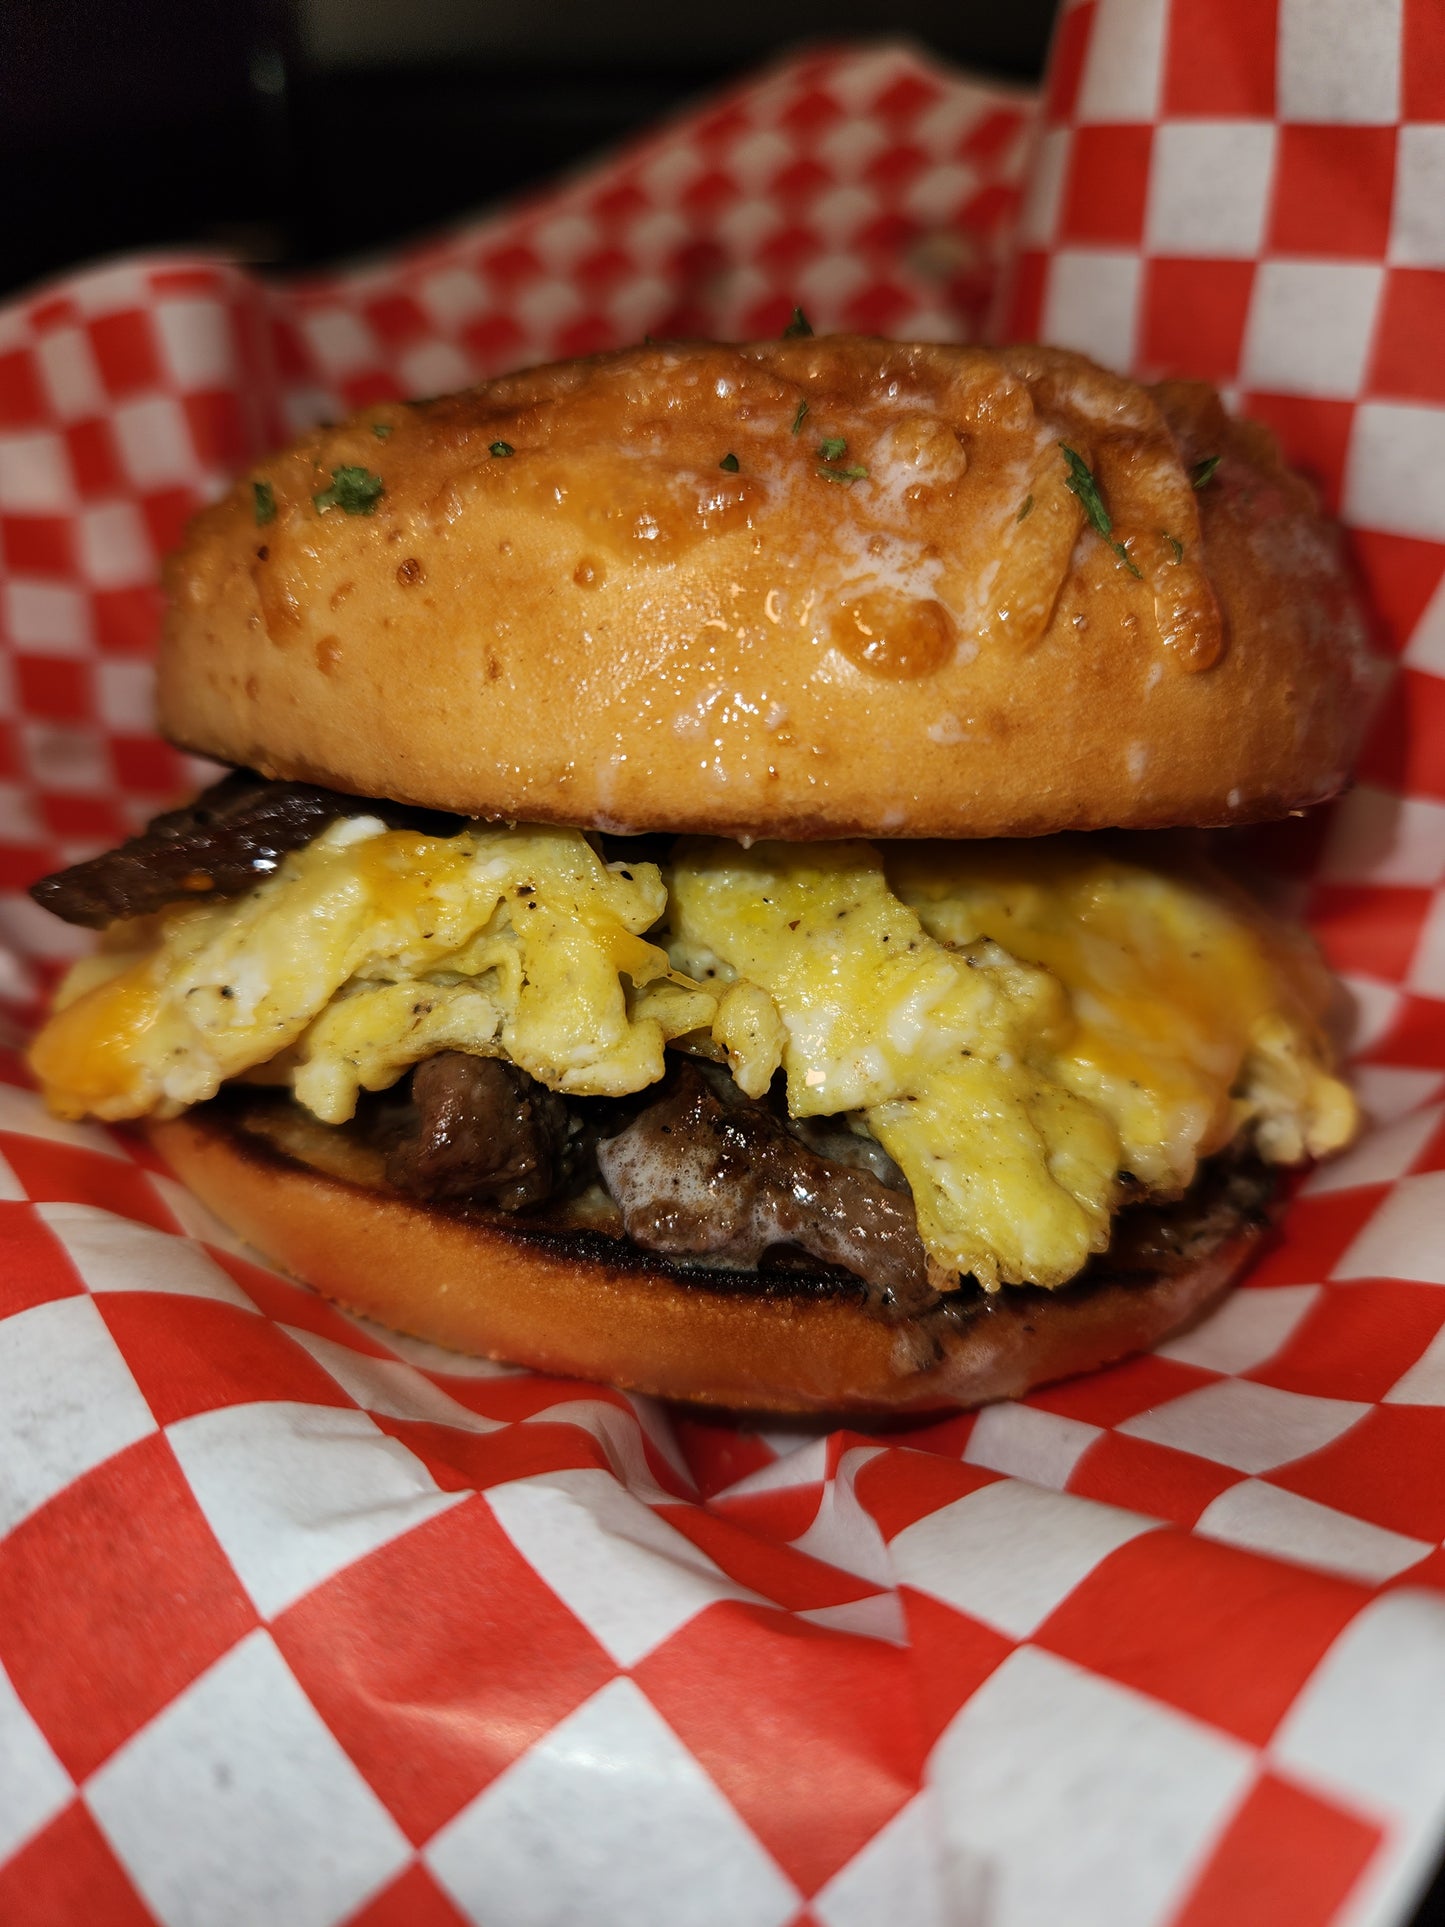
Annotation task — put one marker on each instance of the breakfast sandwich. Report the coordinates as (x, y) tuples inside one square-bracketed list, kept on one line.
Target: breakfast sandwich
[(710, 894)]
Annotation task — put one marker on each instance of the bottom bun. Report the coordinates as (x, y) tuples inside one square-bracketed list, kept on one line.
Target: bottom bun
[(589, 1304)]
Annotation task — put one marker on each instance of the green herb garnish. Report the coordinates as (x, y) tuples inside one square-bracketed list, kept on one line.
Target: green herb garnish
[(381, 430), (1080, 481), (730, 463), (356, 490), (832, 449), (799, 325), (844, 474), (502, 448), (1026, 509), (263, 502), (1202, 471), (1174, 543), (800, 417)]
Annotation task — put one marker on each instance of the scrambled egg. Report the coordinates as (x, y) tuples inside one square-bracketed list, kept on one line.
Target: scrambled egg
[(1019, 1025), (367, 950)]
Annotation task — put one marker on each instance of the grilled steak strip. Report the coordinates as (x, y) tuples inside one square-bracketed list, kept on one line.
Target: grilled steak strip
[(233, 836), (693, 1175), (479, 1128)]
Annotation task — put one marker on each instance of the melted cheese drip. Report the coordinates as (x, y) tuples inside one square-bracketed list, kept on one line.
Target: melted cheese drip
[(1016, 1024)]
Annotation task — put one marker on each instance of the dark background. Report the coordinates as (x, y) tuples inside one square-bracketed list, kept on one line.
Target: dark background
[(299, 131)]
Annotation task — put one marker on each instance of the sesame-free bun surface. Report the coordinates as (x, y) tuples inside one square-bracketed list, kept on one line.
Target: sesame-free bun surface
[(598, 1308), (614, 626)]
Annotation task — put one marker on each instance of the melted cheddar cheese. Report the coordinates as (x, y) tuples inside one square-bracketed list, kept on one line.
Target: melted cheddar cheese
[(1029, 1029)]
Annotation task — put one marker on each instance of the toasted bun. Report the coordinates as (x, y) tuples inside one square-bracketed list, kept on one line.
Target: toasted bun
[(596, 1307), (613, 626)]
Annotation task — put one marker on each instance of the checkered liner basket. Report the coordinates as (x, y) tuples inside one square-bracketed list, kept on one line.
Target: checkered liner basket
[(303, 1624)]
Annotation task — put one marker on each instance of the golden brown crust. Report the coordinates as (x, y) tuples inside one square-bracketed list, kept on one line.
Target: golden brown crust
[(607, 627), (484, 1286)]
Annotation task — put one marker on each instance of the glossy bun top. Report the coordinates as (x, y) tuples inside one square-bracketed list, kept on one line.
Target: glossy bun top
[(805, 588)]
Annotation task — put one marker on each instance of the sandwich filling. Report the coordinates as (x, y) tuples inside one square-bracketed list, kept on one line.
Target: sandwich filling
[(1003, 1043)]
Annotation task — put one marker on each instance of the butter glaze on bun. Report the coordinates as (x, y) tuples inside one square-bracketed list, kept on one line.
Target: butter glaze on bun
[(656, 590)]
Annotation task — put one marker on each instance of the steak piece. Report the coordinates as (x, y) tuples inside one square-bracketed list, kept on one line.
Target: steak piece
[(1164, 1237), (233, 836), (694, 1175), (480, 1129)]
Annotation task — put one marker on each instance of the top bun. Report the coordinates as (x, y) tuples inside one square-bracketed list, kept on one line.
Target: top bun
[(802, 588)]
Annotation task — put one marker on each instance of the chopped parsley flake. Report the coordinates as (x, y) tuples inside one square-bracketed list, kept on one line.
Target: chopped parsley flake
[(1080, 481), (356, 490), (800, 417), (730, 462), (263, 502), (502, 448), (1203, 471), (832, 449), (1027, 508), (799, 325), (857, 474), (1174, 543), (381, 430)]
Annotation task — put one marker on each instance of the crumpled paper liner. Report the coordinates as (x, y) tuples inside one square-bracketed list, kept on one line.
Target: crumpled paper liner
[(302, 1623)]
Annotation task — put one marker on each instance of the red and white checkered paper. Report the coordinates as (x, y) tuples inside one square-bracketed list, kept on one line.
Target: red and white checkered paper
[(303, 1624)]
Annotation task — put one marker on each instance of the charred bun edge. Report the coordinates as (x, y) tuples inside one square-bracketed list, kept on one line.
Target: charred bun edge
[(590, 1306)]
